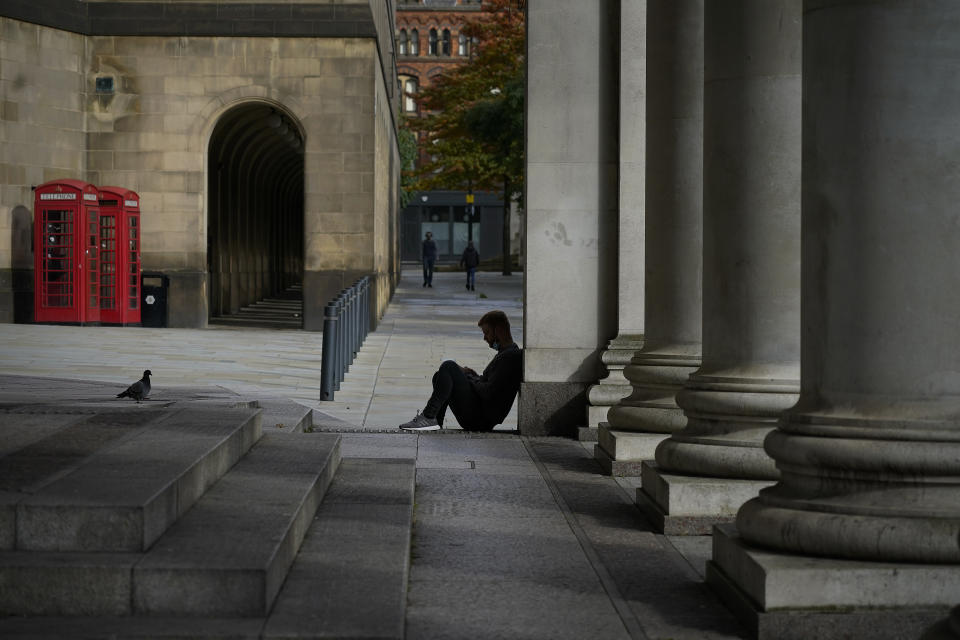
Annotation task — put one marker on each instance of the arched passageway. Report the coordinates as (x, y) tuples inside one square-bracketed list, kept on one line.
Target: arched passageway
[(255, 221)]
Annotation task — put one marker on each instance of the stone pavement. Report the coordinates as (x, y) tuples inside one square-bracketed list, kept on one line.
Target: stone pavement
[(386, 385), (510, 537)]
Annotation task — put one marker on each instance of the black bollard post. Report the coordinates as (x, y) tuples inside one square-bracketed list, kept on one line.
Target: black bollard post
[(328, 359)]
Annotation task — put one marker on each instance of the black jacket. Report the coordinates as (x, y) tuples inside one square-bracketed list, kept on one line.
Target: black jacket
[(429, 250), (499, 383), (470, 258)]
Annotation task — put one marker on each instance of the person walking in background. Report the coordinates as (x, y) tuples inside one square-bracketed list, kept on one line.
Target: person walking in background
[(470, 260), (429, 256)]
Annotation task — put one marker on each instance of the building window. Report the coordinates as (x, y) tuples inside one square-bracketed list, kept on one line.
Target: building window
[(414, 42), (433, 43), (409, 103), (463, 46), (446, 42), (402, 42)]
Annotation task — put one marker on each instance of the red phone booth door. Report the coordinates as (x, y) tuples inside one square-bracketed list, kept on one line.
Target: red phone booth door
[(110, 308), (119, 256), (131, 314), (58, 273), (92, 264), (65, 245)]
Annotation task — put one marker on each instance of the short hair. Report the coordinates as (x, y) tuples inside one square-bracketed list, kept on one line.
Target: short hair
[(495, 318)]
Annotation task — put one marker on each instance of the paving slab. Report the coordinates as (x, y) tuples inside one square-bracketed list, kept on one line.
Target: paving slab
[(229, 555), (494, 558), (112, 628), (350, 577)]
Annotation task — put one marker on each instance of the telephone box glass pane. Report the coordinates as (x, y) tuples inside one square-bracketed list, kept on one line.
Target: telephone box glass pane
[(57, 277), (108, 262)]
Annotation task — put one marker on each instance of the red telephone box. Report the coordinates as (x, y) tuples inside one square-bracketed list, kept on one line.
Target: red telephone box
[(119, 256), (66, 265)]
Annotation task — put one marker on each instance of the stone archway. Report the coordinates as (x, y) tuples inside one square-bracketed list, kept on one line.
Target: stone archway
[(255, 208)]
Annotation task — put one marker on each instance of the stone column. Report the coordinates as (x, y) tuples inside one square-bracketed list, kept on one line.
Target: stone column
[(869, 456), (570, 278), (630, 255), (672, 240), (751, 270)]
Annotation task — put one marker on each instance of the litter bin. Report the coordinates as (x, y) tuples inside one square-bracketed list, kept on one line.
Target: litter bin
[(153, 299)]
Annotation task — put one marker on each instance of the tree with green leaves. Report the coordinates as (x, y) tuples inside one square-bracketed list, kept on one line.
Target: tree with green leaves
[(471, 123)]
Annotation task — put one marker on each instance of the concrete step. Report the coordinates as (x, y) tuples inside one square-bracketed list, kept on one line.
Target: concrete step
[(264, 323), (227, 557), (281, 415), (350, 578), (124, 495), (230, 554), (38, 448)]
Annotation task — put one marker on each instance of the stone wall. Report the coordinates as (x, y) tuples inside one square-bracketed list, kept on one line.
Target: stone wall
[(151, 132), (42, 118)]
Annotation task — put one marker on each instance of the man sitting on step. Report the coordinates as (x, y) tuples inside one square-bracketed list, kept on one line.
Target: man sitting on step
[(480, 402)]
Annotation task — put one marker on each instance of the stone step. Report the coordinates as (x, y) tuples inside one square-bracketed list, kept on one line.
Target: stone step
[(124, 495), (270, 322), (230, 554), (226, 558), (281, 415), (37, 448), (350, 578)]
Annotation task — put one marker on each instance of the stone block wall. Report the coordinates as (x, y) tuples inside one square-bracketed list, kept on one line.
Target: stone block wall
[(42, 123), (150, 134)]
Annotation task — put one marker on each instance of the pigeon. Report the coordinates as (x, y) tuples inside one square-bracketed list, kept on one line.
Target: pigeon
[(139, 389)]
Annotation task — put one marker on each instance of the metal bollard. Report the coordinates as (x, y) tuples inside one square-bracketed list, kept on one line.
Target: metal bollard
[(346, 324), (327, 364)]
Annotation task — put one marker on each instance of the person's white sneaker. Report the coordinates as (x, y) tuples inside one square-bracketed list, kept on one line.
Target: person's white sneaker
[(421, 422)]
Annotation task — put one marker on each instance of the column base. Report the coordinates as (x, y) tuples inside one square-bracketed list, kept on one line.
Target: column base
[(621, 452), (595, 416), (691, 505), (587, 434), (551, 408), (780, 596)]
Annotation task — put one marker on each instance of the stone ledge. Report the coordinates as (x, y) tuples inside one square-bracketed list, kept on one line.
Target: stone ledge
[(678, 525), (631, 446), (691, 505), (804, 597), (618, 468)]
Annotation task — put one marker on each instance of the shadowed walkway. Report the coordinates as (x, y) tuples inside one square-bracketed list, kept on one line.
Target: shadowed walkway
[(507, 536)]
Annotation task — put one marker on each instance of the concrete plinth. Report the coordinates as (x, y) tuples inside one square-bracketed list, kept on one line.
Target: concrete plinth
[(615, 386), (621, 453), (784, 596), (691, 505)]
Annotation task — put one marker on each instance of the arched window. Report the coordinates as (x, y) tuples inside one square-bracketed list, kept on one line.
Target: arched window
[(433, 43), (402, 43), (446, 42), (409, 102), (414, 42), (463, 46)]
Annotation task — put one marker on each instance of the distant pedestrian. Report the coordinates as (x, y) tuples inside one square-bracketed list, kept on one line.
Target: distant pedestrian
[(429, 256), (470, 260)]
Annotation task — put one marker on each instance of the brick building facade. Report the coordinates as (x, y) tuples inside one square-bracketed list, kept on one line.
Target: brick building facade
[(429, 41)]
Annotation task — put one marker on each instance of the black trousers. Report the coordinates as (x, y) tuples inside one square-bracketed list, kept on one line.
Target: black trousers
[(452, 388)]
